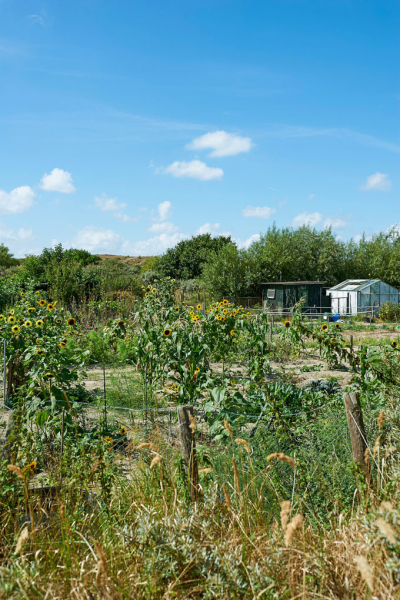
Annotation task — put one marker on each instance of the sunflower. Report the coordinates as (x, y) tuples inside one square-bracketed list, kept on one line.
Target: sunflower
[(109, 440), (167, 332), (42, 302), (39, 323), (64, 341), (28, 323), (38, 342), (222, 319), (49, 375), (31, 466), (120, 323), (31, 309), (225, 311), (286, 324), (324, 327), (22, 294), (248, 313), (11, 312), (194, 320), (122, 430), (39, 351), (176, 309), (63, 345), (197, 370), (15, 329), (337, 326), (198, 307), (232, 333), (59, 321), (71, 321), (50, 307), (394, 344), (19, 320), (37, 293), (191, 313), (11, 319)]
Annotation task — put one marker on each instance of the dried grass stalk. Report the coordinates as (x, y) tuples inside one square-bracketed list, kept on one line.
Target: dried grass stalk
[(147, 445), (294, 524), (102, 568), (236, 475), (228, 428), (227, 498), (381, 419), (386, 529), (365, 570), (282, 457), (16, 470), (205, 471), (377, 445), (23, 536), (155, 461), (387, 506), (286, 507), (244, 443)]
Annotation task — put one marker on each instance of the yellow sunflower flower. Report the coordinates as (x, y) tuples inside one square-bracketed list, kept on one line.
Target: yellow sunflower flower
[(286, 324), (167, 332), (198, 307), (22, 294), (28, 324), (123, 430), (63, 345), (39, 351), (42, 302), (50, 307), (11, 319), (394, 344), (39, 323), (15, 329), (71, 321), (324, 327)]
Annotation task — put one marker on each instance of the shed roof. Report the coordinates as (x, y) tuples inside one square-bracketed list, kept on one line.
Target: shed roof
[(292, 282), (353, 285)]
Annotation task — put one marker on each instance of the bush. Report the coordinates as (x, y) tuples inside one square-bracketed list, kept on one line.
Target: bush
[(390, 311)]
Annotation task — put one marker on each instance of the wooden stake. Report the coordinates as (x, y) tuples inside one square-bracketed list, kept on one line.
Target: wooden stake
[(355, 422), (188, 443)]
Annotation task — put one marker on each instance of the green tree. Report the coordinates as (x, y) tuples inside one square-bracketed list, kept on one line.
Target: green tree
[(186, 260), (7, 259), (227, 273)]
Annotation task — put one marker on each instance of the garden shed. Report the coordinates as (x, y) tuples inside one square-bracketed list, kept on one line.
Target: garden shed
[(355, 296), (282, 295)]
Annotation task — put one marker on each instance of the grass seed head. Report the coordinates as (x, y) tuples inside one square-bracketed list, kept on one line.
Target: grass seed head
[(23, 536), (155, 461), (228, 428), (386, 530), (244, 443), (365, 570), (285, 511), (294, 524), (16, 470), (282, 457)]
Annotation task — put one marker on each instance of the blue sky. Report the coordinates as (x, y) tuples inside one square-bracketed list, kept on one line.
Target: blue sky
[(126, 126)]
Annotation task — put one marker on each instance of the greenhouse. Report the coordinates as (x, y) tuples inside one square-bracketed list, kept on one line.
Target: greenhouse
[(357, 296)]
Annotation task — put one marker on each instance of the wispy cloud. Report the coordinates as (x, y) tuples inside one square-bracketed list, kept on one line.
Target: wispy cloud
[(258, 212), (196, 169), (106, 204), (41, 19), (377, 181), (221, 143), (306, 219)]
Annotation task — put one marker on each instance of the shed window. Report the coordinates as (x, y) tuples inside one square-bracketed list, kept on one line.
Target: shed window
[(271, 294)]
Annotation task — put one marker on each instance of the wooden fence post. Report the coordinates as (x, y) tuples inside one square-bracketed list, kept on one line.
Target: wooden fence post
[(356, 427), (188, 443)]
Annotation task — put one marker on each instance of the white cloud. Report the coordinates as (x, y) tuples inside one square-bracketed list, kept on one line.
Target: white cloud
[(258, 212), (96, 239), (335, 223), (7, 234), (165, 227), (57, 181), (125, 218), (311, 196), (19, 242), (306, 219), (17, 201), (221, 143), (164, 210), (154, 245), (213, 229), (195, 169), (104, 203), (378, 181), (253, 238)]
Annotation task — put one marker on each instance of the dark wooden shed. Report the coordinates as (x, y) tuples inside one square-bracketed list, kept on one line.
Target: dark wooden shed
[(281, 295)]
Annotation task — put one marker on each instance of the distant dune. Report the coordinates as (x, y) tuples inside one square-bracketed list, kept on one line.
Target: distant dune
[(130, 260)]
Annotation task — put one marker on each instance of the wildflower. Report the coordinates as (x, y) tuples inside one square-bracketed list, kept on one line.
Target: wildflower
[(120, 323), (37, 293), (22, 294), (324, 327), (31, 309), (232, 333), (63, 345), (191, 313), (248, 314), (286, 324), (39, 351), (42, 302), (11, 312), (226, 302), (39, 323), (198, 307), (221, 303), (64, 340), (1, 317), (108, 440), (194, 320), (31, 466), (167, 332), (122, 430), (176, 309), (225, 311), (337, 326), (394, 344), (50, 307), (49, 375), (28, 323), (38, 342), (11, 319), (71, 321), (15, 329), (197, 370)]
